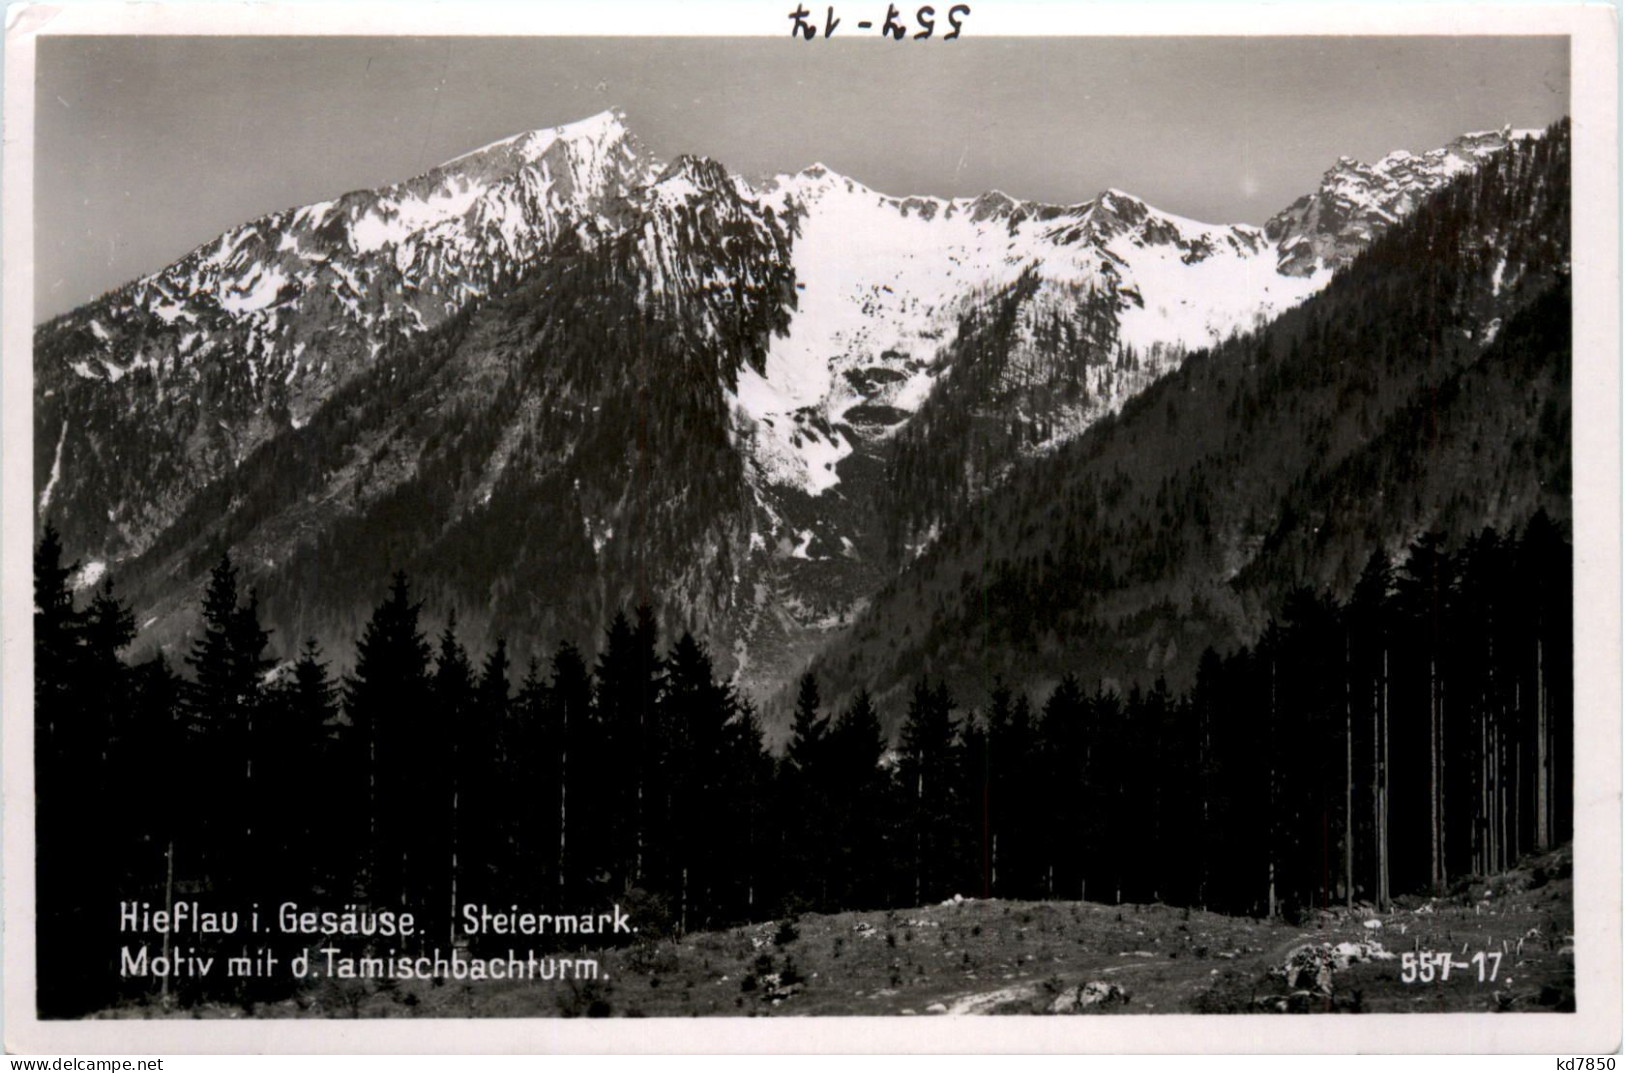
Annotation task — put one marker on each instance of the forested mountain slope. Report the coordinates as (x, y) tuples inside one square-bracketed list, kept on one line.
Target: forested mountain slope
[(495, 458), (1427, 387)]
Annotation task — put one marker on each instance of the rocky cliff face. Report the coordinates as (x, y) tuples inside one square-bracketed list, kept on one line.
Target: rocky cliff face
[(1357, 202)]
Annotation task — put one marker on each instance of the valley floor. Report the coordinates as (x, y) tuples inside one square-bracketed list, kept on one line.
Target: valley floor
[(968, 956)]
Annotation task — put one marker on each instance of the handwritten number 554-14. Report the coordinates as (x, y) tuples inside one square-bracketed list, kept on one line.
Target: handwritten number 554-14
[(924, 17)]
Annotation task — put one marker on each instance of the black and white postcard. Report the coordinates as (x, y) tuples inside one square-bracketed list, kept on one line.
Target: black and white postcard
[(869, 513)]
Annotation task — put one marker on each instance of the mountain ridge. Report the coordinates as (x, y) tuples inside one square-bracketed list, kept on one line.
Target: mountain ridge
[(829, 331)]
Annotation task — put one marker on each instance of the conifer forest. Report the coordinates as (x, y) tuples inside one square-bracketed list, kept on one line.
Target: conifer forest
[(1419, 731)]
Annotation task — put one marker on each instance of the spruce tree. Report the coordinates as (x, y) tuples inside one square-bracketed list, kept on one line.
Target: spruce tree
[(746, 844), (693, 714), (228, 693), (806, 797), (927, 763), (579, 801), (1371, 659), (808, 729), (971, 832), (1012, 820), (1070, 792), (56, 638), (397, 741), (1422, 595), (487, 776), (308, 757), (533, 791), (628, 684), (80, 682), (863, 813), (450, 824)]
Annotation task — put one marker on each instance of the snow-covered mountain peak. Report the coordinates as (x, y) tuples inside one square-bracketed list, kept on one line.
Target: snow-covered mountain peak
[(376, 262), (1111, 212), (1113, 199), (810, 184), (606, 126)]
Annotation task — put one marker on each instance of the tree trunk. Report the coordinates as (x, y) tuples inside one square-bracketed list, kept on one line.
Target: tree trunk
[(1543, 787), (169, 904), (564, 792), (1348, 774), (1503, 835), (1492, 814), (993, 868), (1517, 771), (1481, 851), (1386, 878), (1376, 792), (451, 936), (1270, 818), (1444, 845), (1436, 870), (1206, 790), (919, 798)]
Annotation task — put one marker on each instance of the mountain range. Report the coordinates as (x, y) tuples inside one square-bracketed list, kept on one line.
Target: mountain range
[(556, 376)]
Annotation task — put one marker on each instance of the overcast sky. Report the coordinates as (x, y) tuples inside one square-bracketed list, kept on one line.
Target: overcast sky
[(148, 147)]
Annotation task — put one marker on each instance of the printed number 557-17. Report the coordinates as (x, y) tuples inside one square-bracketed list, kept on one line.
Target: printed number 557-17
[(1426, 966)]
